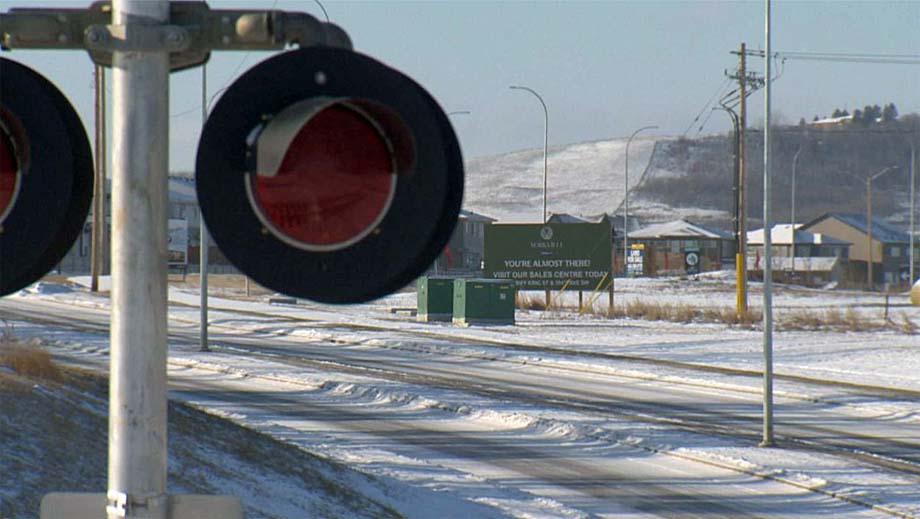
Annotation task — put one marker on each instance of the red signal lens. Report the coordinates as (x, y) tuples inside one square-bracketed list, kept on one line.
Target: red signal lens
[(9, 173), (334, 184)]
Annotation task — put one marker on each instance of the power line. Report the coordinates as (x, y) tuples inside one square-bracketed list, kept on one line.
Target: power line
[(842, 57), (708, 103)]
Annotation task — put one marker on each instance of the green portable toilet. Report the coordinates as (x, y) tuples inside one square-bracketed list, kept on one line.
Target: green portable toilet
[(435, 299), (483, 301)]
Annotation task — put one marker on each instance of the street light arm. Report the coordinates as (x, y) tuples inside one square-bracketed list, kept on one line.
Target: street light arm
[(882, 172), (545, 142), (639, 130), (626, 197), (532, 91)]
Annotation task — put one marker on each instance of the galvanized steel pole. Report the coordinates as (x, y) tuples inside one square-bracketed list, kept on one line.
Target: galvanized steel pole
[(767, 440), (137, 398)]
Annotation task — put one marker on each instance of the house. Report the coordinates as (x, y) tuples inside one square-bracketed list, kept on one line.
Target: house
[(666, 244), (799, 256), (889, 247), (183, 205), (463, 252)]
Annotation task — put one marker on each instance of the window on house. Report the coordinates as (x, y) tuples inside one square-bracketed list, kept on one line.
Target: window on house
[(895, 252)]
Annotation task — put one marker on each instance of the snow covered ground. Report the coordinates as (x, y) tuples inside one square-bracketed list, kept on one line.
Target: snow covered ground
[(887, 359)]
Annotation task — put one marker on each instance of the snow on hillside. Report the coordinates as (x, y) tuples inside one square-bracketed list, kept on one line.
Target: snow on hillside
[(670, 161), (584, 178)]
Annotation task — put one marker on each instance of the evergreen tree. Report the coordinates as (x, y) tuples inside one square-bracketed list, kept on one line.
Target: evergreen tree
[(858, 116), (889, 113)]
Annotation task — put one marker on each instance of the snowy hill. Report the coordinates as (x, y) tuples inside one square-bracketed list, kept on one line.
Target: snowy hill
[(583, 178)]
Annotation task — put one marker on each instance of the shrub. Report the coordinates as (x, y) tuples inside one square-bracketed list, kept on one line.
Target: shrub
[(27, 359)]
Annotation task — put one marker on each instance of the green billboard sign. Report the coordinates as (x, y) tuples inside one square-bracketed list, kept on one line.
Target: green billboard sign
[(549, 256)]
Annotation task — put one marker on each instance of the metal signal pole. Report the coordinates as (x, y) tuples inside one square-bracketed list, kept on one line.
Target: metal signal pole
[(137, 395)]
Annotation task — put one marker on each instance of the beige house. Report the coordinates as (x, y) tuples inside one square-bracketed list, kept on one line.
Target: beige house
[(890, 247)]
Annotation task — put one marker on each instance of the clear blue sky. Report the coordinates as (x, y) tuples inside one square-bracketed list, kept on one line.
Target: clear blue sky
[(603, 68)]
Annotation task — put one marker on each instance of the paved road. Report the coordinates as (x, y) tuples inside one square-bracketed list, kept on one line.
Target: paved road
[(595, 477)]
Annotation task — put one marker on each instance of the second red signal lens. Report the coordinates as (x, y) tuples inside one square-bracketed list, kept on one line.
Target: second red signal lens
[(334, 184)]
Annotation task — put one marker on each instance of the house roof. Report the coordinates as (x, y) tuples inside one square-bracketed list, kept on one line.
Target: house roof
[(566, 218), (182, 189), (782, 234), (679, 229), (881, 230), (811, 264), (476, 217)]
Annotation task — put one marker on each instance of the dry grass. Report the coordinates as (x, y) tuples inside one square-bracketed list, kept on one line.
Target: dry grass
[(28, 359), (907, 326), (684, 313), (802, 320), (849, 320), (530, 301)]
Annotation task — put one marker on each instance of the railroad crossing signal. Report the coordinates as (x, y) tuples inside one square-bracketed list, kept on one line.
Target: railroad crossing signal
[(324, 174), (321, 173), (46, 176)]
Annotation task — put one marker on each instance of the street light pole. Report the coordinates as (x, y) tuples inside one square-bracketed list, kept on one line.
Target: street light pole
[(737, 210), (869, 179), (438, 259), (545, 138), (626, 199), (913, 185), (767, 440), (795, 161)]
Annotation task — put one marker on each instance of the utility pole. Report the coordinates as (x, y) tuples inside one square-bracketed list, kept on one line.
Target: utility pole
[(748, 82), (741, 305), (96, 239)]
